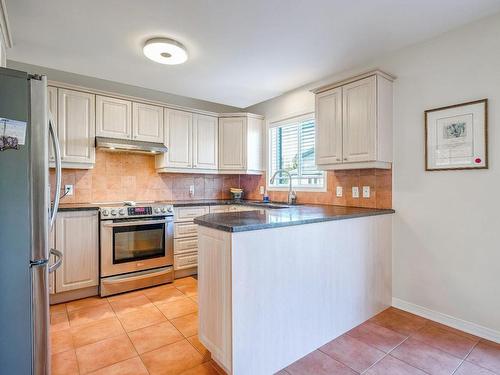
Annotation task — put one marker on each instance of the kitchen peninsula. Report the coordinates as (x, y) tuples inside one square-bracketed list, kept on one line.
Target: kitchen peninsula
[(276, 284)]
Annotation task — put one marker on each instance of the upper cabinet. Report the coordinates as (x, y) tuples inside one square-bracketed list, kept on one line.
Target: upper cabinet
[(123, 119), (192, 142), (113, 117), (240, 144), (147, 123), (75, 127), (205, 142), (354, 123)]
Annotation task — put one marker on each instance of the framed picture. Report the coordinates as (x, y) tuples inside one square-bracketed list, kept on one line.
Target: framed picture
[(456, 137)]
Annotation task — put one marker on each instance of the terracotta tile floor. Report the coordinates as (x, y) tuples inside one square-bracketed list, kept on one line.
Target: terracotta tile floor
[(151, 331), (154, 331)]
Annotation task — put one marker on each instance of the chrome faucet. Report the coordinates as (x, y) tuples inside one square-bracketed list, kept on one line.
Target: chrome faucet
[(291, 194)]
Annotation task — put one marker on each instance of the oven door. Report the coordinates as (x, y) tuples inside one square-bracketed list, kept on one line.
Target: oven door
[(129, 245)]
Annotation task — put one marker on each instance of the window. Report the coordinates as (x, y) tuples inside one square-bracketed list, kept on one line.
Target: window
[(292, 148)]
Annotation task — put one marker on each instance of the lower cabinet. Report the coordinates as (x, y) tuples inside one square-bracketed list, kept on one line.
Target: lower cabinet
[(76, 236), (186, 239)]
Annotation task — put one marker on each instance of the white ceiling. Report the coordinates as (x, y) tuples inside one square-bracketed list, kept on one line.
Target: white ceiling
[(241, 51)]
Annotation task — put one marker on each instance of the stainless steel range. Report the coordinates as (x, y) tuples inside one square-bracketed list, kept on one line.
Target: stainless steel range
[(136, 247)]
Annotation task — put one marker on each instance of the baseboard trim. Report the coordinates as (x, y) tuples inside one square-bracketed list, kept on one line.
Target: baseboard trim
[(463, 325)]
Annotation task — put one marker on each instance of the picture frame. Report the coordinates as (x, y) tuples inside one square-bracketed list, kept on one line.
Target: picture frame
[(456, 136)]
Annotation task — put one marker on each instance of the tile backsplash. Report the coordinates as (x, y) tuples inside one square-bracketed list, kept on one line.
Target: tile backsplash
[(124, 176), (379, 180)]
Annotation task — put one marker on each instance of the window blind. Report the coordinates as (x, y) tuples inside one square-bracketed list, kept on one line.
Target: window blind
[(292, 148)]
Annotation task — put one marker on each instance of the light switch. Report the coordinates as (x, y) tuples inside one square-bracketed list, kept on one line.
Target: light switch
[(191, 190), (339, 191), (261, 190), (366, 192), (355, 192)]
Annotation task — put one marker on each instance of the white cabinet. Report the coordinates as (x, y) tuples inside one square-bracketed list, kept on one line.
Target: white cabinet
[(329, 133), (123, 119), (359, 124), (77, 238), (178, 126), (192, 142), (76, 128), (113, 117), (186, 239), (354, 123), (147, 123), (240, 144), (205, 142)]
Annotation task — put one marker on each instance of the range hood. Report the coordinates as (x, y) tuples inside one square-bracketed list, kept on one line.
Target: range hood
[(129, 145)]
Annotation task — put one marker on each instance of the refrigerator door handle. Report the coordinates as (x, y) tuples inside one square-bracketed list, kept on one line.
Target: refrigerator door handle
[(59, 259), (57, 157)]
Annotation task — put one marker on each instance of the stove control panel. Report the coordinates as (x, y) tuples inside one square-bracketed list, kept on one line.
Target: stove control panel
[(139, 211), (136, 211)]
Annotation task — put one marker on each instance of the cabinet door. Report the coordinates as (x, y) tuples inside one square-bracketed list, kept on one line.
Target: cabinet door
[(113, 117), (329, 127), (359, 120), (52, 103), (147, 123), (205, 142), (76, 126), (232, 141), (178, 138), (78, 240)]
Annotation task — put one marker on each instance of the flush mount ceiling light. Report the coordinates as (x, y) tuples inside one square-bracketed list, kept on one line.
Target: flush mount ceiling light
[(165, 51)]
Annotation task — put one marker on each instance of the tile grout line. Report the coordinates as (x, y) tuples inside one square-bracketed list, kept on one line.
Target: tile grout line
[(463, 360)]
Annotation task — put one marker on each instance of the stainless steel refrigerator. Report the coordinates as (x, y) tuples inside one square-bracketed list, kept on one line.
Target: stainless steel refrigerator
[(25, 221)]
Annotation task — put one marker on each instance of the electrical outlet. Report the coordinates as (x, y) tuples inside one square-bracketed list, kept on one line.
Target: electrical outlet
[(339, 191), (355, 192), (261, 190), (68, 189), (191, 190), (366, 192)]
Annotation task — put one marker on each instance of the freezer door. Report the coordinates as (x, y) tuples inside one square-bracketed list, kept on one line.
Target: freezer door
[(40, 312), (15, 233)]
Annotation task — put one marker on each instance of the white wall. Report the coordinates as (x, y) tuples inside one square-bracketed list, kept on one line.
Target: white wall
[(446, 253)]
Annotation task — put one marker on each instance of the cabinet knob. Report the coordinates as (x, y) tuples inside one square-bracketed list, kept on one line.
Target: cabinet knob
[(338, 159), (345, 159)]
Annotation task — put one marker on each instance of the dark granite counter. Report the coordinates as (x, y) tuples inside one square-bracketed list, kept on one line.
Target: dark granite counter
[(185, 203), (78, 207), (282, 217)]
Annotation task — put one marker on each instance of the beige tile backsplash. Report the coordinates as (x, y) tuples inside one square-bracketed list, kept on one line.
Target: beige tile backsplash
[(124, 176)]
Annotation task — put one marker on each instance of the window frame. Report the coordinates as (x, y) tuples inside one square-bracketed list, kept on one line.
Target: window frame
[(284, 121)]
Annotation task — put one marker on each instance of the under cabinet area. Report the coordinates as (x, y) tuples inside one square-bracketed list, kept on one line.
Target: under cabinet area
[(76, 236), (354, 123), (241, 144)]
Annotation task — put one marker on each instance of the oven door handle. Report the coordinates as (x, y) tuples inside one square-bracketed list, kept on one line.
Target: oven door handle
[(131, 223)]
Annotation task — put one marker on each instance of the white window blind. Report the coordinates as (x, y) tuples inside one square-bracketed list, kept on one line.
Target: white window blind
[(292, 148)]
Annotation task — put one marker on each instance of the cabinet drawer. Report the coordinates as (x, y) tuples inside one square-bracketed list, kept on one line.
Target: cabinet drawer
[(185, 229), (185, 245), (185, 261), (189, 213)]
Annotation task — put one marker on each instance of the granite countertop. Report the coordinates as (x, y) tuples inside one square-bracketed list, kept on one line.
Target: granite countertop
[(282, 217), (180, 203)]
